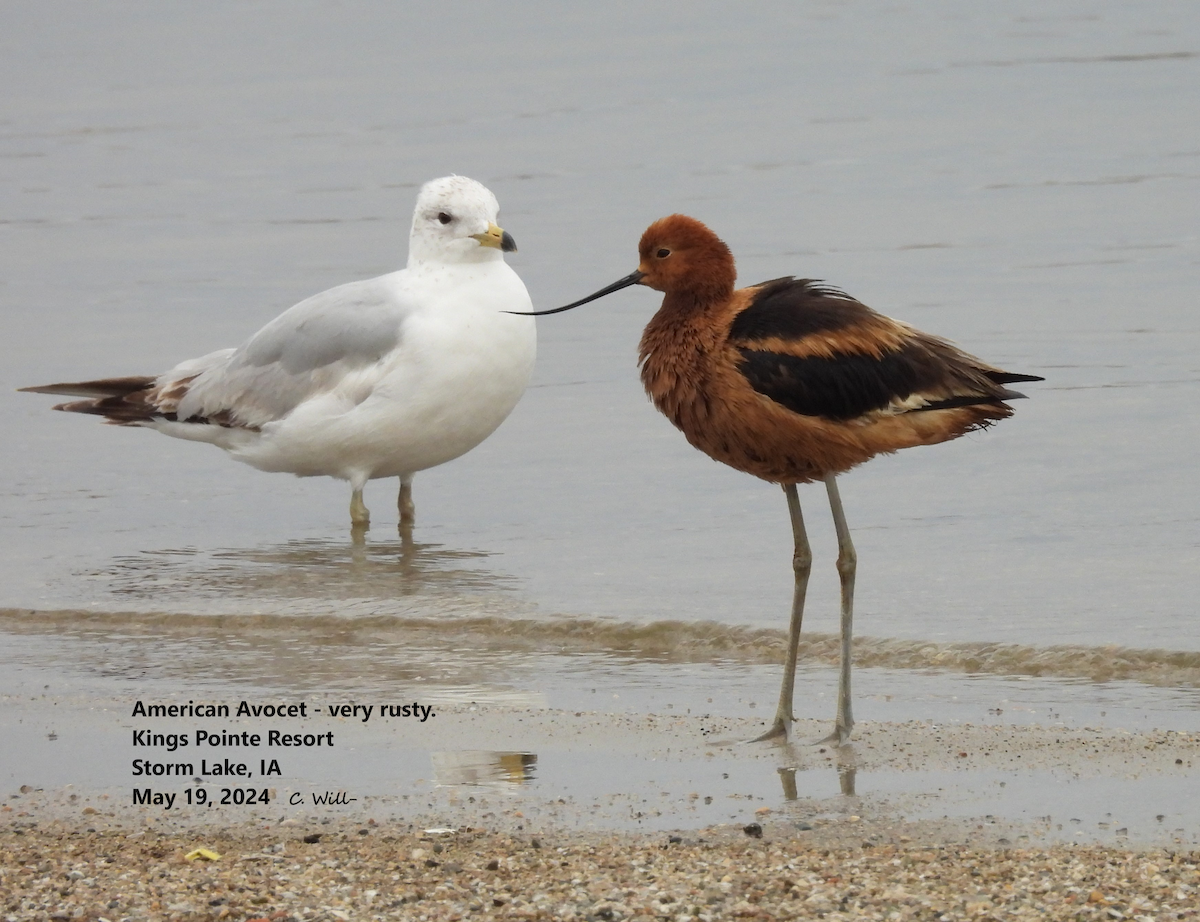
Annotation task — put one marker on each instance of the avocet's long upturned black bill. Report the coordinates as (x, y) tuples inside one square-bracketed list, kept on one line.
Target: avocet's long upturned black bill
[(632, 279)]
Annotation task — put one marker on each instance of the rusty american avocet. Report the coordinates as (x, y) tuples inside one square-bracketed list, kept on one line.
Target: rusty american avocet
[(794, 381), (378, 378)]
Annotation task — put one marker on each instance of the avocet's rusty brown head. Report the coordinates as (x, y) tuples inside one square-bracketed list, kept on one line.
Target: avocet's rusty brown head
[(681, 255), (678, 255)]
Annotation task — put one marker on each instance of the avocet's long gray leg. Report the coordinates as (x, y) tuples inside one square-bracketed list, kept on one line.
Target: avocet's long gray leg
[(802, 566), (847, 564)]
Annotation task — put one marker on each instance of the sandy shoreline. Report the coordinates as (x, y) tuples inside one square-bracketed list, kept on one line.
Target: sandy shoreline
[(347, 871)]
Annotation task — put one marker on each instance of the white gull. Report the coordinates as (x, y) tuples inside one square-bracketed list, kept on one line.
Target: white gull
[(378, 378)]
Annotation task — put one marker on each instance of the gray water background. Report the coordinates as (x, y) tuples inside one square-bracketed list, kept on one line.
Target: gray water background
[(1019, 178)]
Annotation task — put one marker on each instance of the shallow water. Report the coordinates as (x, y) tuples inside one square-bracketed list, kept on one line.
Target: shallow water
[(1020, 182)]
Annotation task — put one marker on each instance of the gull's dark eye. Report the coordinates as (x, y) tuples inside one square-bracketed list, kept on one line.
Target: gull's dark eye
[(663, 253), (444, 218)]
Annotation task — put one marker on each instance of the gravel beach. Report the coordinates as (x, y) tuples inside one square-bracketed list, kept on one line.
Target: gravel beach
[(58, 871)]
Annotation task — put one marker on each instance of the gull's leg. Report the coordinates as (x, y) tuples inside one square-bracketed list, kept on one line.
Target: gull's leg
[(847, 563), (360, 517), (802, 566), (408, 512), (359, 514)]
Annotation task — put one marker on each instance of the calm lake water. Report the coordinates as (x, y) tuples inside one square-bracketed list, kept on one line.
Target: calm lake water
[(1021, 179)]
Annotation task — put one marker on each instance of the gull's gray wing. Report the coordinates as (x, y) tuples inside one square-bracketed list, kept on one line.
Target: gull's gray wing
[(306, 350)]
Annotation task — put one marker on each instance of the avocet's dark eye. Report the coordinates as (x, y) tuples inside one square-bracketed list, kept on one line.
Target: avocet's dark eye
[(444, 218), (663, 253)]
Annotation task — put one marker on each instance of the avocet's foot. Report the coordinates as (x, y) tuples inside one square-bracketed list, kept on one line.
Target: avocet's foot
[(781, 729), (839, 737)]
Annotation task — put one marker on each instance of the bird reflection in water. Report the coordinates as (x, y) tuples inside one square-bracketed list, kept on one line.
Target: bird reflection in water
[(847, 772), (315, 570), (478, 767)]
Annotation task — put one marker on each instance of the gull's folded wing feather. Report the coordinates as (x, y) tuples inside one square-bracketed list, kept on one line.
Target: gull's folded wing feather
[(312, 348)]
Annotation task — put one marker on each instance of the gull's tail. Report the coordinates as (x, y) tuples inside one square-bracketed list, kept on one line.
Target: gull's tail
[(123, 401)]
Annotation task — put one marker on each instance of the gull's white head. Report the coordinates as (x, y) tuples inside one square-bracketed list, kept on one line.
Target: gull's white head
[(455, 222)]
